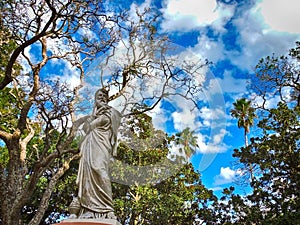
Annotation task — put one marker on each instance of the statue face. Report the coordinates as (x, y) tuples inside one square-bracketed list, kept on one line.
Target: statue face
[(100, 99)]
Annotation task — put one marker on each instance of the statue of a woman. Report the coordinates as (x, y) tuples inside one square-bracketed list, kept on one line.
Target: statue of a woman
[(97, 147)]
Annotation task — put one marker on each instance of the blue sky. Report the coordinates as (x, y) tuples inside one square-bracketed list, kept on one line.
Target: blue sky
[(233, 35)]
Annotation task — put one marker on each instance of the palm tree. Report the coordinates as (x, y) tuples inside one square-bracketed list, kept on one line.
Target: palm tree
[(245, 115), (188, 140)]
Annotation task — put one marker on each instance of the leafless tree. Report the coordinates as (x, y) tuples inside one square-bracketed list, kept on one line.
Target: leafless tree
[(55, 30), (278, 76), (72, 33)]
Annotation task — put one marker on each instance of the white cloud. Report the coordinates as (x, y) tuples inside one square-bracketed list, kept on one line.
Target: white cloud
[(185, 15), (260, 46), (281, 15), (70, 75), (25, 66), (209, 48), (226, 176), (184, 117), (142, 7), (212, 117), (255, 37), (228, 84), (59, 46), (257, 40), (87, 33), (212, 144), (217, 188), (66, 73), (271, 99), (208, 123), (159, 117), (188, 14)]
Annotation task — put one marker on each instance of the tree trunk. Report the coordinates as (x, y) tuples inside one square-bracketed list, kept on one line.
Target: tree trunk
[(11, 209), (250, 165), (246, 138), (14, 179), (47, 194)]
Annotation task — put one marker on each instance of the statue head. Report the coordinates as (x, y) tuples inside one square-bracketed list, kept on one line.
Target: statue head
[(101, 97), (103, 91)]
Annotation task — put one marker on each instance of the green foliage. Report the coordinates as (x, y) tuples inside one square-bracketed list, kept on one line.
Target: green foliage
[(37, 148), (244, 113), (65, 188), (155, 198), (236, 209), (9, 110), (4, 156), (62, 195), (179, 199), (142, 145), (274, 154), (37, 125), (7, 46), (188, 140)]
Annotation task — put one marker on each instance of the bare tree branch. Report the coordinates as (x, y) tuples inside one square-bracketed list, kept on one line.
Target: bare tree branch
[(47, 194)]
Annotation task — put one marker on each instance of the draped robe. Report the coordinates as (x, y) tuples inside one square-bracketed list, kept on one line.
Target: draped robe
[(99, 144)]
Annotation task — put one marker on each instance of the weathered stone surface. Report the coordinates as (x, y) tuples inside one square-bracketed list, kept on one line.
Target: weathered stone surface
[(99, 144), (88, 222), (93, 204)]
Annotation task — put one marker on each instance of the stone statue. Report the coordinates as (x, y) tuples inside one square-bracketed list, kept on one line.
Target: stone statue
[(94, 199)]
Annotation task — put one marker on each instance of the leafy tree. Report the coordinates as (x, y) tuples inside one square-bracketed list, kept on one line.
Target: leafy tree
[(38, 142), (188, 140), (245, 114), (7, 45), (180, 199), (276, 154), (154, 198)]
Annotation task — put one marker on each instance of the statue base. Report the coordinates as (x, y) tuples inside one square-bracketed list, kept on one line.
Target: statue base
[(88, 222)]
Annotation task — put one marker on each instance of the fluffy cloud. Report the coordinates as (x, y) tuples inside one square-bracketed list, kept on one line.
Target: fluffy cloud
[(213, 117), (213, 143), (70, 75), (281, 15), (159, 117), (183, 116), (271, 100), (228, 84), (185, 15), (257, 40), (212, 49), (226, 176), (209, 122), (260, 30)]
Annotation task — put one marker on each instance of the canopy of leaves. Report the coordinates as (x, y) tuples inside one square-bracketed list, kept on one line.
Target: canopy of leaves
[(155, 198), (276, 156), (244, 112), (274, 153)]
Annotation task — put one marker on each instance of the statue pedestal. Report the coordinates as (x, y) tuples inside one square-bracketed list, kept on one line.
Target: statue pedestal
[(88, 222)]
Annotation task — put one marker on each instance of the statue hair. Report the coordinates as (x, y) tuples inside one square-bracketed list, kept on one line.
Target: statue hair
[(102, 90)]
